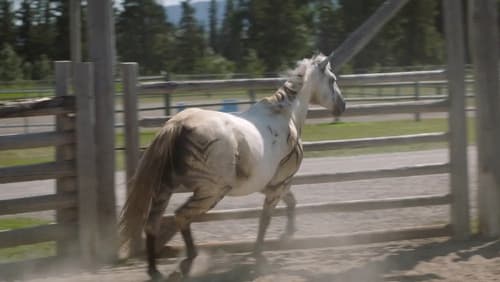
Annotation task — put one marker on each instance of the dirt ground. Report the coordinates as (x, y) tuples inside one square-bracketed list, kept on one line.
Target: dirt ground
[(439, 259), (418, 260)]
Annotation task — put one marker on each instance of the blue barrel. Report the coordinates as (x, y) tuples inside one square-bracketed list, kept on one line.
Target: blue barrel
[(229, 106)]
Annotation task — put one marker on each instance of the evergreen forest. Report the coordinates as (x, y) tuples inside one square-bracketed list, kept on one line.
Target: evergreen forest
[(254, 37)]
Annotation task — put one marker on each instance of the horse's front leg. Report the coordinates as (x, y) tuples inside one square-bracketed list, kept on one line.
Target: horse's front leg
[(290, 202), (271, 200)]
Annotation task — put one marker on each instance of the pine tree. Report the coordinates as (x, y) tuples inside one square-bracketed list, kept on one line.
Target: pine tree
[(43, 30), (279, 31), (24, 40), (328, 27), (212, 36), (233, 36), (423, 43), (140, 28), (384, 48), (62, 32), (190, 43), (7, 27)]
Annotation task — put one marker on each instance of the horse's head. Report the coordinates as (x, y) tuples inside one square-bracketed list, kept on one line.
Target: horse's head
[(327, 92)]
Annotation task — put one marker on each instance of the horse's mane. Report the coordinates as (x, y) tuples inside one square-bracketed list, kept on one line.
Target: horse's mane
[(295, 81)]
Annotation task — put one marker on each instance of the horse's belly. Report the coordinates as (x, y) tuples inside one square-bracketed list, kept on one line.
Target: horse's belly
[(255, 183)]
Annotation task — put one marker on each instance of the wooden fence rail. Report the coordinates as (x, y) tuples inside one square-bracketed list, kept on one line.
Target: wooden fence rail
[(265, 83), (73, 168), (352, 110), (347, 206)]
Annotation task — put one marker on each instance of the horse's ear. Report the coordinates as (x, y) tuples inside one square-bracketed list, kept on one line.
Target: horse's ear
[(330, 58), (322, 64)]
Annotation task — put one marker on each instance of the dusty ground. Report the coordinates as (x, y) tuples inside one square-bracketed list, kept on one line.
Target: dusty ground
[(419, 260), (422, 260)]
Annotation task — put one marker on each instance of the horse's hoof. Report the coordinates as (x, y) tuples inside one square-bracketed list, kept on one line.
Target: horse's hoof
[(185, 266), (175, 276), (286, 237), (258, 256), (155, 275)]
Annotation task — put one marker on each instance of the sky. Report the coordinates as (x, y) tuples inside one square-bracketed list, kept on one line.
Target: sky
[(175, 2), (164, 2)]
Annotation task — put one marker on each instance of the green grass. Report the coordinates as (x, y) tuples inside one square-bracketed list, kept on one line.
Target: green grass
[(25, 251), (351, 130), (26, 156)]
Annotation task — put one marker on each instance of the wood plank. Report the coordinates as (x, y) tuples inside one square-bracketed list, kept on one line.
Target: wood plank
[(363, 34), (376, 79), (41, 171), (346, 206), (101, 52), (37, 234), (459, 179), (38, 107), (34, 140), (484, 37), (65, 184), (132, 135), (312, 146), (38, 203), (375, 141), (170, 87), (318, 178), (349, 239), (426, 169), (86, 163), (422, 106), (129, 73), (75, 31)]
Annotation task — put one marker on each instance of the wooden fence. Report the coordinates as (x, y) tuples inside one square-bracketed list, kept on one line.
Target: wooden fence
[(73, 169), (458, 200)]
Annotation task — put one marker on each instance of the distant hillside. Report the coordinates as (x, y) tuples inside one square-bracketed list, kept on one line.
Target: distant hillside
[(174, 12)]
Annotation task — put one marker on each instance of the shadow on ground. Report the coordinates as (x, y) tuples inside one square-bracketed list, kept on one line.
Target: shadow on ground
[(369, 263)]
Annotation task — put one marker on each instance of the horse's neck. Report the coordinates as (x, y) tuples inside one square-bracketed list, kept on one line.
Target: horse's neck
[(300, 107), (290, 101)]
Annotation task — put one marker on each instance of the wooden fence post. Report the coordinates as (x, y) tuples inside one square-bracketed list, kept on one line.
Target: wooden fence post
[(363, 34), (100, 30), (132, 146), (86, 163), (460, 215), (485, 54), (65, 185)]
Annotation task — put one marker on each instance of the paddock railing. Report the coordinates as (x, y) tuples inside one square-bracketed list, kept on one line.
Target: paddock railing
[(72, 169), (459, 226)]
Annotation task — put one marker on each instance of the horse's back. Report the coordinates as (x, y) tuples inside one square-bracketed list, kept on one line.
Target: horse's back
[(221, 146)]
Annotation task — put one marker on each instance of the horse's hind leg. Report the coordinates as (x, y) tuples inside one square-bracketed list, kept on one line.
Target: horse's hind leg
[(152, 229), (202, 201)]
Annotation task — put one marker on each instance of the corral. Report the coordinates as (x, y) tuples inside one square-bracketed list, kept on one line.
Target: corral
[(77, 204)]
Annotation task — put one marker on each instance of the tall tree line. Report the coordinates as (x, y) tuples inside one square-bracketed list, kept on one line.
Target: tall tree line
[(260, 36), (253, 36)]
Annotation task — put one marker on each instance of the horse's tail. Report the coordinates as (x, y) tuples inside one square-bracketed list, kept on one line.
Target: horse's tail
[(152, 172)]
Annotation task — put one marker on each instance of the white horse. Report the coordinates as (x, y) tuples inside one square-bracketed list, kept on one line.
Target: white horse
[(214, 154)]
